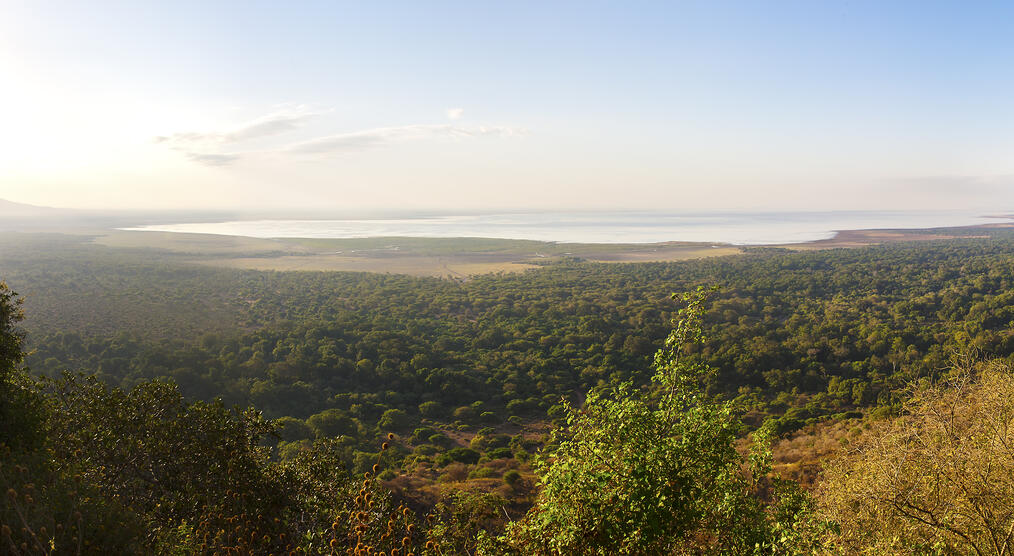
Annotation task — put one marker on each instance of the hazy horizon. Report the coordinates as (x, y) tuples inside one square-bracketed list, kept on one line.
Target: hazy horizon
[(463, 107)]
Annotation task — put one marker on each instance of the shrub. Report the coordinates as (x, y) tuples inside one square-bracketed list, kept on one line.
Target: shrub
[(938, 479), (431, 409), (499, 453), (463, 455), (394, 420), (512, 477), (423, 433), (489, 417), (331, 423), (290, 429), (441, 440), (655, 472), (464, 413), (482, 473)]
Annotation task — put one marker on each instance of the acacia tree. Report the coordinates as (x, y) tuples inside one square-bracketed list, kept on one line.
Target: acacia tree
[(10, 357), (10, 337), (648, 472), (939, 479), (20, 407)]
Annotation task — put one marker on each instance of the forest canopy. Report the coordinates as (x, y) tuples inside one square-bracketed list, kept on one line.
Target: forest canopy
[(438, 416)]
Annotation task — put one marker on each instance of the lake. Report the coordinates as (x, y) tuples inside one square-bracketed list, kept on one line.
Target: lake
[(598, 227)]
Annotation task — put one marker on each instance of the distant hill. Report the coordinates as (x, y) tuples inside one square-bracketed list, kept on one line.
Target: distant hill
[(10, 208), (34, 218), (24, 217)]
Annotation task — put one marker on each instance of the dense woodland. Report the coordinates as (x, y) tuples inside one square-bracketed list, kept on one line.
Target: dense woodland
[(477, 408)]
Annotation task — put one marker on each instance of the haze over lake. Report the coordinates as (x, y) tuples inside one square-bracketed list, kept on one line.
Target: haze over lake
[(597, 227)]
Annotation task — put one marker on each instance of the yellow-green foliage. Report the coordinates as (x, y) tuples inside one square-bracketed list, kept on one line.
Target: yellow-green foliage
[(649, 473), (939, 479)]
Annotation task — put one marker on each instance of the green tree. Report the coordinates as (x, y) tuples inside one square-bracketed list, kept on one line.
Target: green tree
[(176, 463), (291, 429), (10, 337), (331, 423), (394, 420), (21, 412), (638, 472), (431, 409)]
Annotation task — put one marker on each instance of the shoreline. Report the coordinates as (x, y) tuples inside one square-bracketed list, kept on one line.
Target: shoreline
[(459, 258)]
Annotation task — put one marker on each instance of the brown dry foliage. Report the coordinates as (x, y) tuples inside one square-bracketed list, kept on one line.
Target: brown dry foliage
[(800, 455), (939, 479)]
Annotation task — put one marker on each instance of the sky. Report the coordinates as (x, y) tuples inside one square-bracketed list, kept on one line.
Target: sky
[(345, 106)]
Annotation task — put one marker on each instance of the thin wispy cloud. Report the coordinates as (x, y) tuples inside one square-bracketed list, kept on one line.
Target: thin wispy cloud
[(209, 148), (377, 137), (213, 159), (272, 124)]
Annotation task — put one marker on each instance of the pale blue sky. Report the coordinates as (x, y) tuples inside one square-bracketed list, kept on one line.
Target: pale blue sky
[(474, 105)]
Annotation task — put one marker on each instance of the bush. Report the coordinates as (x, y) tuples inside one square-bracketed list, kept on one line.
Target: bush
[(441, 439), (499, 453), (463, 455), (938, 479), (656, 472), (425, 450), (423, 433), (512, 477), (483, 473), (489, 417), (331, 423), (465, 413), (290, 429), (176, 463), (487, 441), (394, 420), (432, 410)]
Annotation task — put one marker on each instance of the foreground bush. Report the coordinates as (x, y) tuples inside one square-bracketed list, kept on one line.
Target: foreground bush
[(653, 472), (939, 479)]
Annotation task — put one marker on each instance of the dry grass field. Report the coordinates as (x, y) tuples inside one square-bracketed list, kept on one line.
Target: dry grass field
[(444, 267), (455, 258)]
